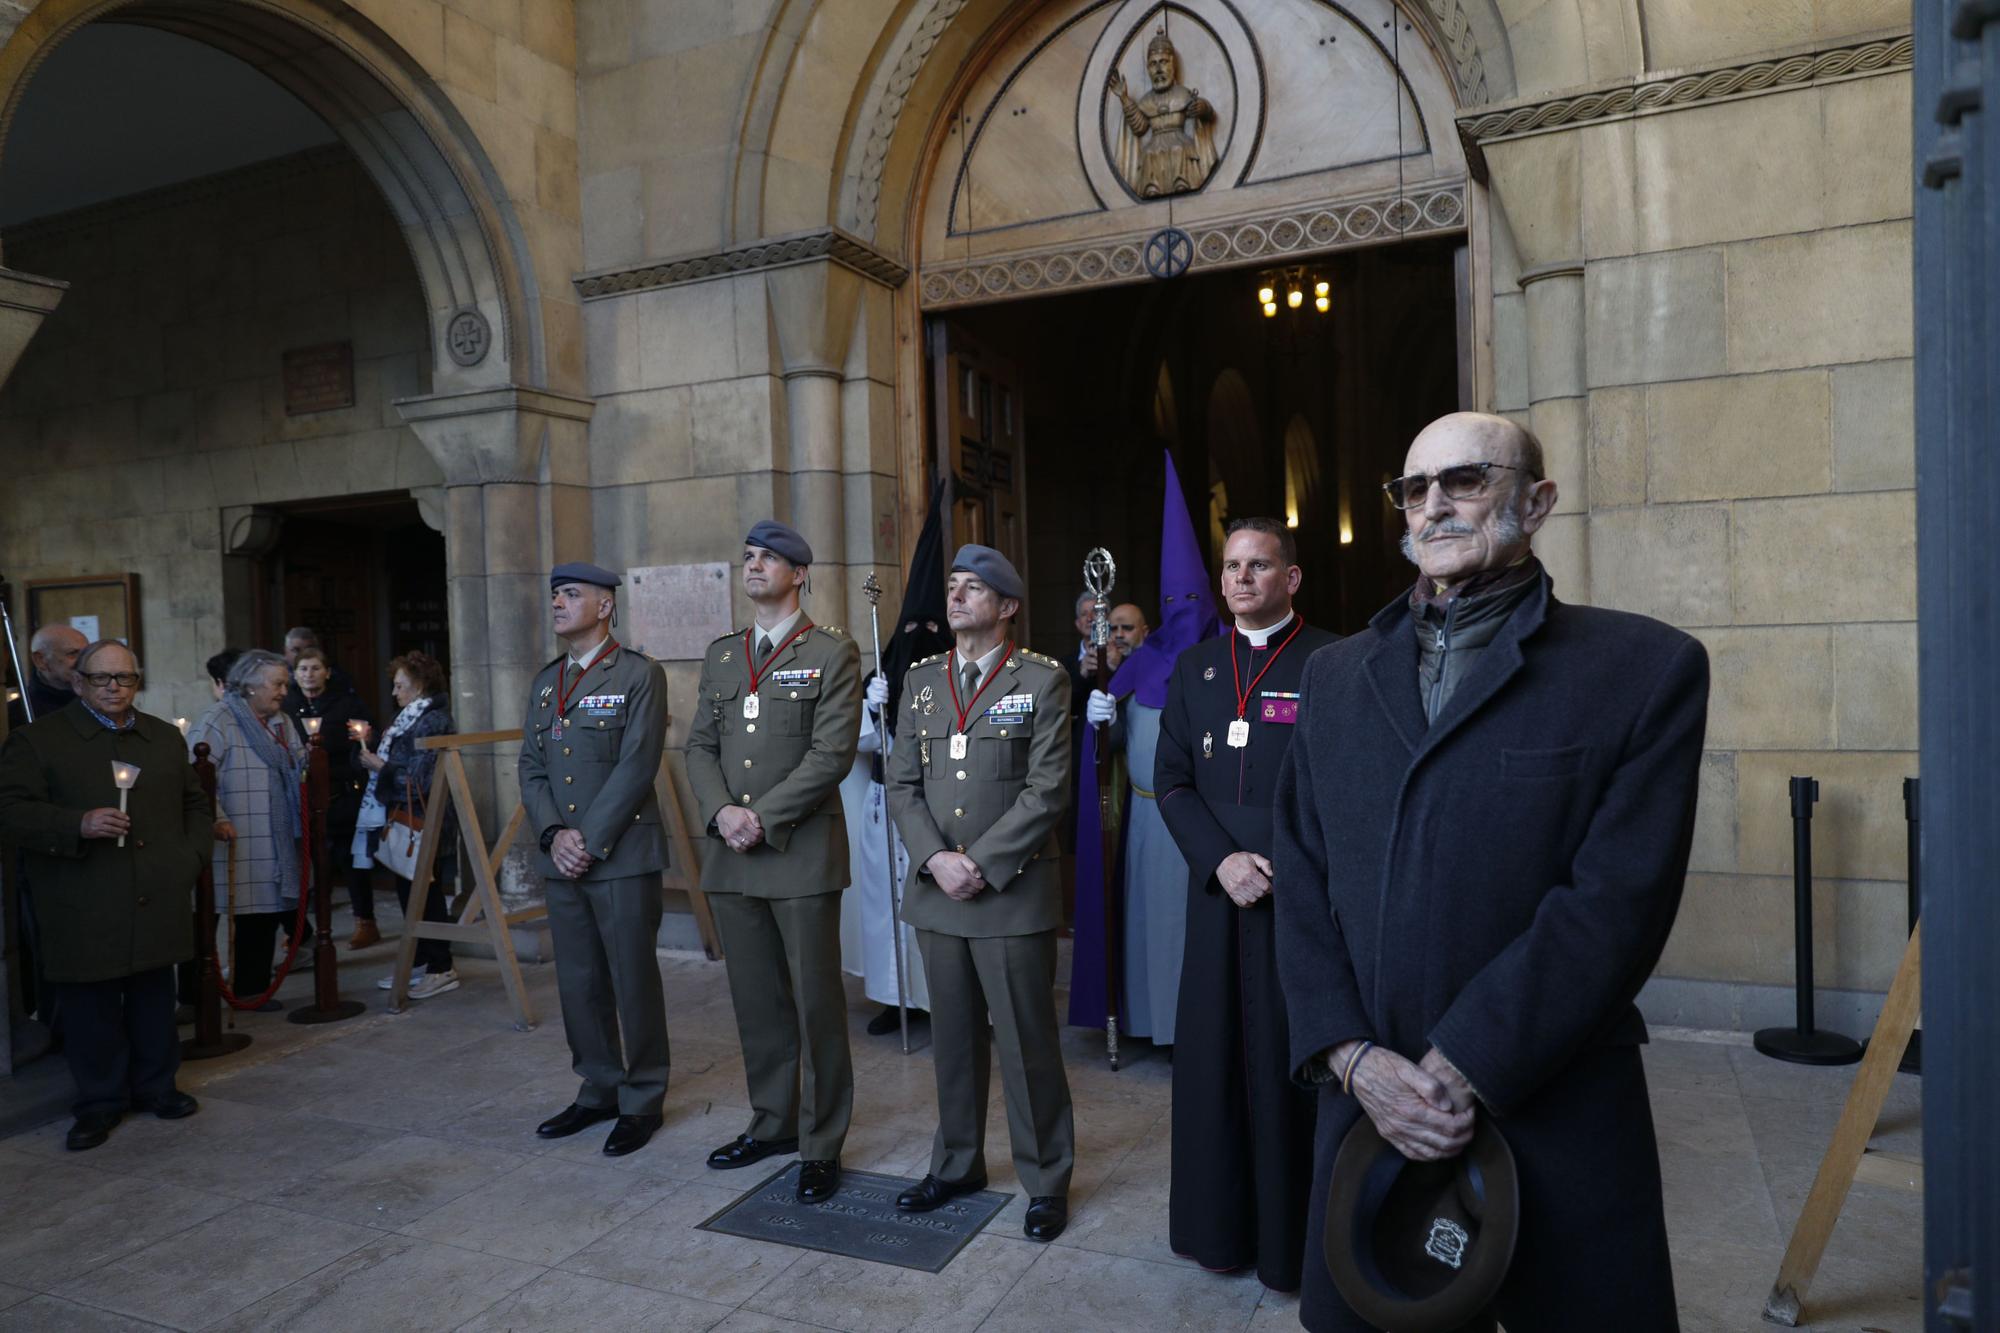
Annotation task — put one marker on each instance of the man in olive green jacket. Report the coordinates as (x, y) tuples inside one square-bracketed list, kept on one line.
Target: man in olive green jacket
[(774, 731), (590, 751), (977, 785), (113, 889)]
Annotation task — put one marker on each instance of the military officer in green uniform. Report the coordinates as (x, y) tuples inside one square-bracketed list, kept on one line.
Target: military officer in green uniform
[(977, 784), (590, 750), (773, 733)]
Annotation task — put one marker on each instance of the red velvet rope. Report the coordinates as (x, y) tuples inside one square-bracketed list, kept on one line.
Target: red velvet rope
[(298, 927)]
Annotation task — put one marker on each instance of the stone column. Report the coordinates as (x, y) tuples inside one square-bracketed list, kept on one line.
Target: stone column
[(517, 501), (1534, 183), (812, 313), (25, 301)]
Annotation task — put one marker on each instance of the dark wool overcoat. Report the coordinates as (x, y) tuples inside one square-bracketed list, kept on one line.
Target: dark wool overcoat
[(1499, 884)]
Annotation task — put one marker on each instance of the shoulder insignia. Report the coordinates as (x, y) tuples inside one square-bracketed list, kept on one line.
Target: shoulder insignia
[(833, 631), (732, 634), (1038, 657), (934, 657)]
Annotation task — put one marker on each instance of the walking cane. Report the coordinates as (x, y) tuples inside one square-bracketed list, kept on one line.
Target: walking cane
[(871, 588), (22, 675)]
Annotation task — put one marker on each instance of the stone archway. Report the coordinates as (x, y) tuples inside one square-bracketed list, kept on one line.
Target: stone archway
[(500, 416)]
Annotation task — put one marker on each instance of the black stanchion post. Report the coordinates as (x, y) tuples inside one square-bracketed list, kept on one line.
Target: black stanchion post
[(1913, 1054), (327, 1006), (209, 1039), (1805, 1044)]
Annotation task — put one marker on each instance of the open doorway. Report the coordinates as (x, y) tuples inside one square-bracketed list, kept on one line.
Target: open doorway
[(1300, 414), (367, 573)]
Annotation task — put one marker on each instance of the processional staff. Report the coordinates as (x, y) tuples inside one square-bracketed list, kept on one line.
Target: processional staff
[(871, 588), (1100, 576)]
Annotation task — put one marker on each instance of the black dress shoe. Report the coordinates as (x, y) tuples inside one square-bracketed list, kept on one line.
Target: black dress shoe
[(573, 1119), (175, 1105), (1046, 1218), (630, 1134), (743, 1150), (91, 1129), (818, 1180), (934, 1193), (887, 1021)]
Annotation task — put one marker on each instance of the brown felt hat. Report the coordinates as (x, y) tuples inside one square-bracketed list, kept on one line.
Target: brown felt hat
[(1421, 1247)]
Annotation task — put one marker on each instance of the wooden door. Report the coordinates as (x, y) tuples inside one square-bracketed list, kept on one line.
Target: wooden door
[(980, 434)]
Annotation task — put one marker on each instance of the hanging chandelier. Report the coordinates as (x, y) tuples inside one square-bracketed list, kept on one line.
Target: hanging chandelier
[(1293, 287)]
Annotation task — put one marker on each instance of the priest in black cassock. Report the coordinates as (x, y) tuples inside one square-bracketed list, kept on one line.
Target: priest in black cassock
[(1243, 1130)]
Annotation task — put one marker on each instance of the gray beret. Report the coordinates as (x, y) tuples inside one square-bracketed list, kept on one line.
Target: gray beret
[(582, 571), (775, 536), (991, 568)]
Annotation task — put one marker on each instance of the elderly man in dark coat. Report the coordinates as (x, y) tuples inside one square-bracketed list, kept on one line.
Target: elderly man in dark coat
[(1481, 836), (112, 888)]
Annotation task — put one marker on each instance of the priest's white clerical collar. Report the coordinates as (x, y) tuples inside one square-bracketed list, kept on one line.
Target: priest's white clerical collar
[(1260, 637)]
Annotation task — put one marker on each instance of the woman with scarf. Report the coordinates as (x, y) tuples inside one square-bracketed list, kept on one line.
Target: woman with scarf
[(399, 779), (259, 812)]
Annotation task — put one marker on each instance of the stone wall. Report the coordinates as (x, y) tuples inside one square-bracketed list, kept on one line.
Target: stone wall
[(1740, 444), (152, 397)]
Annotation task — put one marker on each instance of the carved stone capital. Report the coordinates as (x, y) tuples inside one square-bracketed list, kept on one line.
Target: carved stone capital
[(510, 435), (25, 301)]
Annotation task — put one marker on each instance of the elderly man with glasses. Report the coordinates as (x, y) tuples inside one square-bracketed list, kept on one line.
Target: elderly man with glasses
[(1481, 836), (113, 883)]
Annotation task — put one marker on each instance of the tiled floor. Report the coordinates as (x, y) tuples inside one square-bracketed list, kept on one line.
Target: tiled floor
[(382, 1173)]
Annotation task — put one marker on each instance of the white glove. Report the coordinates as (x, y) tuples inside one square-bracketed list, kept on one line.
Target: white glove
[(1101, 710), (878, 693)]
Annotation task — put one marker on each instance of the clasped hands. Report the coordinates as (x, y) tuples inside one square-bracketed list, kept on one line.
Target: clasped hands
[(571, 854), (957, 874), (1424, 1110), (1245, 877), (739, 826)]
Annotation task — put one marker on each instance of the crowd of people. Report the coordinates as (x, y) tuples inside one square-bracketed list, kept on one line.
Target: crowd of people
[(1388, 898)]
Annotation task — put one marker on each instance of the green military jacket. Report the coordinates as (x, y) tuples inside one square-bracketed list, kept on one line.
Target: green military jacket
[(999, 805), (786, 763), (105, 911), (598, 775)]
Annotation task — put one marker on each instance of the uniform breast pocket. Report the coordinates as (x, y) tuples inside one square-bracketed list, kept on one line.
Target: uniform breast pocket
[(792, 708), (604, 735), (1003, 751), (1541, 765)]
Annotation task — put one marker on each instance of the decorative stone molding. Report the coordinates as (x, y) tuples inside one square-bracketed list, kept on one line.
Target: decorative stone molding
[(784, 252), (1452, 27), (1567, 268), (1230, 244), (1876, 57)]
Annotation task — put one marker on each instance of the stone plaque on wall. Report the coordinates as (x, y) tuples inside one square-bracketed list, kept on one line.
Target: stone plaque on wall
[(319, 379), (675, 611)]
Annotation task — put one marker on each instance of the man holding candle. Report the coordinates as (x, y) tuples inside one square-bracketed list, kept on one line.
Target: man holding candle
[(114, 869)]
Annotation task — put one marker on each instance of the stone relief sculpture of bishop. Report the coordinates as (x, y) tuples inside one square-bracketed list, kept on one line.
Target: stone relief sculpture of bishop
[(1166, 137)]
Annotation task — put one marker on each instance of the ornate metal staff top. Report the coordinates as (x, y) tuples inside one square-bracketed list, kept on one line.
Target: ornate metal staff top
[(1100, 575)]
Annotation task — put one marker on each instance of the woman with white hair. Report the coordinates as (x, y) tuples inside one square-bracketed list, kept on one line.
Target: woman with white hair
[(259, 762)]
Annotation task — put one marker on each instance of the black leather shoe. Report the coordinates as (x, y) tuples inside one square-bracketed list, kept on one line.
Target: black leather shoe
[(630, 1134), (1046, 1218), (818, 1180), (176, 1105), (934, 1193), (573, 1119), (91, 1130), (743, 1150)]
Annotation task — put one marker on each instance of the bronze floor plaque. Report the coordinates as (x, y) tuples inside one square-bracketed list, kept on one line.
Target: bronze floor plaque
[(860, 1221)]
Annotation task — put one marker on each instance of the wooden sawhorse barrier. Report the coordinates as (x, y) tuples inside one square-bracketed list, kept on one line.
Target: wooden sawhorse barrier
[(483, 918), (1848, 1157)]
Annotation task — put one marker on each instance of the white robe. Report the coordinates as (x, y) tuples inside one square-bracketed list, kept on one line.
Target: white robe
[(866, 942)]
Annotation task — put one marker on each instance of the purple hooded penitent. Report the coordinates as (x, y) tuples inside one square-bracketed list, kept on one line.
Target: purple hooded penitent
[(1187, 616)]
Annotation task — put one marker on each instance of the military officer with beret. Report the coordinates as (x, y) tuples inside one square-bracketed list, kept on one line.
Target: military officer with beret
[(773, 733), (977, 786), (590, 751)]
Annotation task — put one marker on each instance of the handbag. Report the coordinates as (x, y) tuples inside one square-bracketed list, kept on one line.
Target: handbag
[(403, 835)]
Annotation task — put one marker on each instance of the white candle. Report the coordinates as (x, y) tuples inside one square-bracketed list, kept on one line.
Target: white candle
[(312, 728), (126, 776), (182, 723)]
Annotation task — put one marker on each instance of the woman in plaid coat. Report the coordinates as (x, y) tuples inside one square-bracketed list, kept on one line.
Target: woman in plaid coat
[(259, 765)]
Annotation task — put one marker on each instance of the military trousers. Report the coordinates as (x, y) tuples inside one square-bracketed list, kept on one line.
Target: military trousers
[(791, 1016), (608, 977), (1010, 978)]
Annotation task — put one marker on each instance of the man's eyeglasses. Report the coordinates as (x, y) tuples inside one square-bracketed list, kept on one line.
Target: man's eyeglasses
[(1463, 482), (98, 680)]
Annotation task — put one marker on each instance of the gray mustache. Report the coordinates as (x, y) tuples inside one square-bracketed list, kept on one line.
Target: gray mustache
[(1450, 527)]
